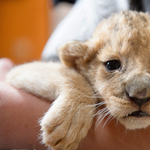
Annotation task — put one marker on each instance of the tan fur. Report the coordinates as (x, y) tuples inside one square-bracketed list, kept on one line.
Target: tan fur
[(125, 37), (70, 116)]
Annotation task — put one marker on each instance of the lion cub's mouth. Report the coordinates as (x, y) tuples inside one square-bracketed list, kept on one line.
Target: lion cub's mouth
[(138, 114)]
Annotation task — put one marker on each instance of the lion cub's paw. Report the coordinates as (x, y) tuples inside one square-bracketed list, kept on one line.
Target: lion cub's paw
[(64, 125)]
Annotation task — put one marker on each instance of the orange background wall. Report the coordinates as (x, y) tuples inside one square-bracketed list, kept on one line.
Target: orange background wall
[(24, 29)]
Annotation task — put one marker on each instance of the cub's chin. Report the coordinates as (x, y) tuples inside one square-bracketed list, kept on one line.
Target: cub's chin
[(133, 123)]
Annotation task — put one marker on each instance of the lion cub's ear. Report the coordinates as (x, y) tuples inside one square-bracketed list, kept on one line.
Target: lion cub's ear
[(76, 53)]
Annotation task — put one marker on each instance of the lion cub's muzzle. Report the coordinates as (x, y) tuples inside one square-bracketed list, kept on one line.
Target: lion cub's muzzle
[(138, 89)]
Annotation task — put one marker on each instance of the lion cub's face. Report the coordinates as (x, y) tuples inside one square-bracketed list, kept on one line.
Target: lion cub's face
[(116, 63)]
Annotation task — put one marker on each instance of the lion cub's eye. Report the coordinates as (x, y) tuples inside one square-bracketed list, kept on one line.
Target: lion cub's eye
[(112, 65)]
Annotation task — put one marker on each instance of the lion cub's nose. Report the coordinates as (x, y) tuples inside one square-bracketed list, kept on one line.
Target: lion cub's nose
[(138, 101), (141, 94), (139, 97)]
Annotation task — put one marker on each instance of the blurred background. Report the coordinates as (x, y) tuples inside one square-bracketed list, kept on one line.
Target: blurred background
[(25, 26)]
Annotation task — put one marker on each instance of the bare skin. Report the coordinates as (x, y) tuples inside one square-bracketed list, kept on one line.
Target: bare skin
[(19, 117), (21, 111), (114, 136)]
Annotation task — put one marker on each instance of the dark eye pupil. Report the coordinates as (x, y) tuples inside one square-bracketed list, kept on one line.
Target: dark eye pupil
[(113, 64)]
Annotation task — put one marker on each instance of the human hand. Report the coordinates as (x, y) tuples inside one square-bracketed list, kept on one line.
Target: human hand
[(114, 136), (20, 113)]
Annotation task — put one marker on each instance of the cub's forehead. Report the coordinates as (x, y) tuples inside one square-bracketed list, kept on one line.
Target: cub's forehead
[(125, 33), (124, 22)]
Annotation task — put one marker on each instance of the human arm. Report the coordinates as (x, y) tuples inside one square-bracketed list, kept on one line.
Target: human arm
[(20, 113)]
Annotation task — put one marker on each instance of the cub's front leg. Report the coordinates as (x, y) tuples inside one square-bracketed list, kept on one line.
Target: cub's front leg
[(70, 116)]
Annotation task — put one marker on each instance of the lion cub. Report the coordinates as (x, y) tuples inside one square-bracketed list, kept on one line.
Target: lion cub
[(113, 65)]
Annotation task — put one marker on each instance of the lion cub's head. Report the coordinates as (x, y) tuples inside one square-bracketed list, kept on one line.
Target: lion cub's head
[(116, 62)]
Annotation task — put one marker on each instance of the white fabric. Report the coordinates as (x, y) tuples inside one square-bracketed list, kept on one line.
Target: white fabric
[(81, 22)]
